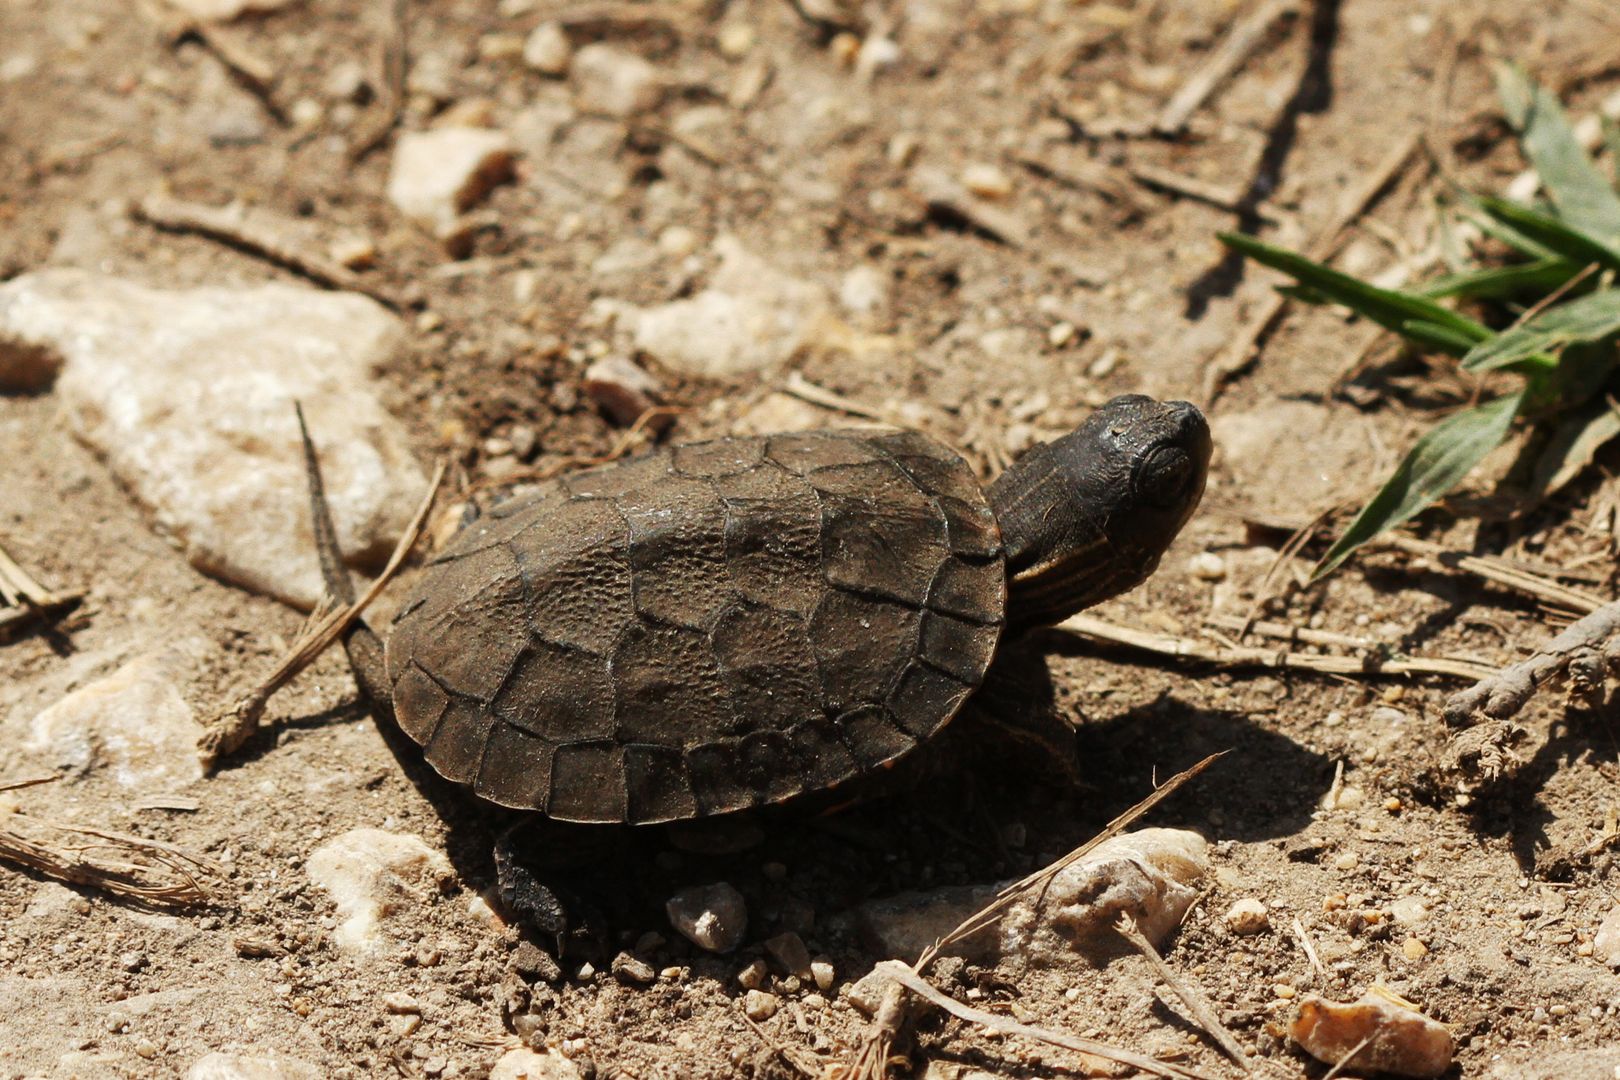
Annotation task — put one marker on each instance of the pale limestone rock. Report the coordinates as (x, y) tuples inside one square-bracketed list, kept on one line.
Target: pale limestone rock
[(1379, 1033), (188, 394), (438, 174), (752, 316), (1606, 945), (1151, 875), (372, 875), (780, 412), (1247, 917), (525, 1064), (221, 1066), (133, 723), (612, 81)]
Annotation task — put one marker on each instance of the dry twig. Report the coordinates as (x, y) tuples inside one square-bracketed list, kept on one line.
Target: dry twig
[(23, 599), (910, 980), (1229, 55), (255, 74), (1095, 629), (1310, 949), (1199, 1005), (396, 59), (1236, 356), (257, 232), (1583, 654), (323, 627)]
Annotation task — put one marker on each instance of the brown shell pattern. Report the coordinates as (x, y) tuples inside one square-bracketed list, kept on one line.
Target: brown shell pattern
[(704, 628)]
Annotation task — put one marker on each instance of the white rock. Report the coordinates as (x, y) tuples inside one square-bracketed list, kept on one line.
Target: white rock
[(752, 316), (779, 412), (615, 82), (220, 1066), (712, 917), (188, 394), (1409, 911), (134, 723), (864, 290), (373, 875), (1248, 916), (548, 50), (525, 1064), (1207, 566), (438, 174), (986, 181), (760, 1005), (1151, 875), (225, 10), (1606, 944)]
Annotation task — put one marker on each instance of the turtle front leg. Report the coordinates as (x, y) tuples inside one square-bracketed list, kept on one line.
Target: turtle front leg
[(1016, 707), (556, 878)]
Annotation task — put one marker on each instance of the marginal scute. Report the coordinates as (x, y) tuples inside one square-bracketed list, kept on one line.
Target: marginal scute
[(704, 628), (588, 783), (456, 747), (516, 768), (657, 784), (418, 702)]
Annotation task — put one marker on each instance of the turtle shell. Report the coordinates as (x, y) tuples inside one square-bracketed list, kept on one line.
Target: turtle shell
[(704, 628)]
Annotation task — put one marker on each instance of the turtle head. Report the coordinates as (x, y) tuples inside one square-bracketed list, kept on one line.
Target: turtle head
[(1088, 516)]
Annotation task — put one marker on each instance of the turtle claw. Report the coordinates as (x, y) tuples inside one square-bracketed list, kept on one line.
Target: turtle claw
[(531, 858)]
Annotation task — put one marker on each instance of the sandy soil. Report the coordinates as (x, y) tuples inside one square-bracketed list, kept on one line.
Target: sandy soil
[(816, 171)]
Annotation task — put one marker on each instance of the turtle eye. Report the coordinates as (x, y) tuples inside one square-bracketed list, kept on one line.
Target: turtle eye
[(1162, 476)]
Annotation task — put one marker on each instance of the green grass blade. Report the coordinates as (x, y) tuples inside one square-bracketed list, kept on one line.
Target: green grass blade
[(1439, 461), (1583, 197), (1575, 441), (1433, 336), (1389, 309), (1498, 282), (1586, 318), (1554, 235)]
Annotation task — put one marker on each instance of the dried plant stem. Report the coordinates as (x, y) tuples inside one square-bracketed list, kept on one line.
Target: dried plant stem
[(259, 233), (396, 60), (1497, 569), (129, 866), (909, 979), (24, 600), (1236, 356), (1241, 40), (1199, 1005), (1095, 629), (325, 625)]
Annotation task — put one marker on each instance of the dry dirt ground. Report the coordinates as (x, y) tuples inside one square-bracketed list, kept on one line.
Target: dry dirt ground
[(990, 331)]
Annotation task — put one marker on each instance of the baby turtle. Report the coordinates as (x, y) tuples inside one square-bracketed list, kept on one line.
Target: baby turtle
[(726, 624)]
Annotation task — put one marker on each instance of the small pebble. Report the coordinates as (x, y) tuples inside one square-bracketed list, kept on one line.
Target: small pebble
[(823, 974), (147, 1049), (612, 81), (791, 956), (1413, 949), (758, 1005), (1207, 566), (534, 963), (1284, 991), (734, 40), (712, 917), (1346, 860), (1060, 334), (754, 976), (1248, 916), (547, 50), (1606, 944), (400, 1003), (587, 972), (986, 181), (631, 970), (1409, 911)]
